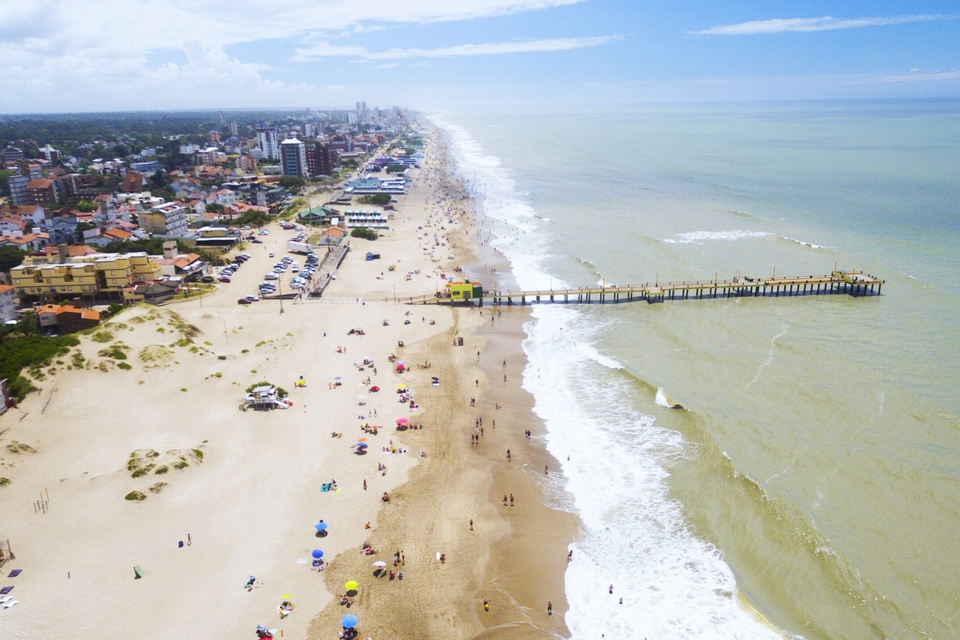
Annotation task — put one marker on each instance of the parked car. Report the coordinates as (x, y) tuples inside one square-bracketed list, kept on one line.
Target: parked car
[(270, 254), (207, 279), (243, 301), (224, 278), (269, 276), (257, 241), (253, 298)]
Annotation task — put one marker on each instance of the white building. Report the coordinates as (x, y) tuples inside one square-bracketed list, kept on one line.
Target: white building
[(8, 305), (267, 142), (293, 158)]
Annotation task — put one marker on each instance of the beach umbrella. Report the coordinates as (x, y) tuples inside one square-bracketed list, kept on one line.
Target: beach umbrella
[(401, 386), (286, 596), (320, 526), (380, 564), (352, 585), (317, 554), (361, 445), (348, 621), (402, 421), (361, 439)]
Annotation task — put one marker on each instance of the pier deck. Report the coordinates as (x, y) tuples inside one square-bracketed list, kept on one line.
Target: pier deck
[(854, 283)]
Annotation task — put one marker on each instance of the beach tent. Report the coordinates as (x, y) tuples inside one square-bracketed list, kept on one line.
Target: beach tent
[(348, 621)]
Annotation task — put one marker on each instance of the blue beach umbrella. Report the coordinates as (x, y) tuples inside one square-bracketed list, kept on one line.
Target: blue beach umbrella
[(361, 445), (320, 526), (348, 622), (317, 554)]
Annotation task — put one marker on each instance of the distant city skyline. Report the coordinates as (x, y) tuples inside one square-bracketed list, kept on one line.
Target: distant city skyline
[(120, 55)]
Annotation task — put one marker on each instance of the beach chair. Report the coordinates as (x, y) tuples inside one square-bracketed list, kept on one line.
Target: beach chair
[(5, 599), (6, 590), (10, 603)]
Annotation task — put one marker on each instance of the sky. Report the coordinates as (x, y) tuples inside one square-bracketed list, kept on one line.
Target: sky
[(122, 55)]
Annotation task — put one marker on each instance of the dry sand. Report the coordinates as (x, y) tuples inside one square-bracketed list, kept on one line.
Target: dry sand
[(249, 506)]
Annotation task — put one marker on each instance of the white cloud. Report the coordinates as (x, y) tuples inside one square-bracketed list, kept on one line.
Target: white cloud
[(325, 49), (827, 23), (65, 54), (919, 76)]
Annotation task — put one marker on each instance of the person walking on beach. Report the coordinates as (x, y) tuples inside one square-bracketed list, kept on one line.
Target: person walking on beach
[(611, 589), (549, 608), (511, 499), (486, 605)]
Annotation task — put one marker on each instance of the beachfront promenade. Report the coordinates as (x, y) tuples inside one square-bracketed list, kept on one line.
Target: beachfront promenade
[(854, 283)]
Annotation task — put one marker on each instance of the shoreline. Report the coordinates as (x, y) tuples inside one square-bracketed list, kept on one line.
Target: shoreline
[(249, 504)]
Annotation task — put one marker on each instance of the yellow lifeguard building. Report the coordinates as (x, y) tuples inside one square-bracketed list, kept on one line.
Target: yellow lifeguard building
[(464, 290)]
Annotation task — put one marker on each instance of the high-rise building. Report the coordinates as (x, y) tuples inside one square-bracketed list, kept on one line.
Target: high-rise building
[(293, 158), (321, 158), (18, 189), (267, 142)]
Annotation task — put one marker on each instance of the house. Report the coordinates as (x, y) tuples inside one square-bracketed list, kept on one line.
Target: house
[(332, 236), (28, 242), (5, 400), (64, 319), (153, 292), (8, 303)]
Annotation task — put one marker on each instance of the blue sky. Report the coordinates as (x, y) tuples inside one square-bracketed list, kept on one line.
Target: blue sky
[(112, 55)]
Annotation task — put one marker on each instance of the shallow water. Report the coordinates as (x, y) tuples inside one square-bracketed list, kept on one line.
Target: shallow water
[(810, 474)]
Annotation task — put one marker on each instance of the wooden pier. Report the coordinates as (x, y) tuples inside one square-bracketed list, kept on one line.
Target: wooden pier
[(853, 283)]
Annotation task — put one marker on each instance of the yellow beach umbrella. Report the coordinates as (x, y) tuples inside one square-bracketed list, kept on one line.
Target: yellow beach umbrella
[(352, 585)]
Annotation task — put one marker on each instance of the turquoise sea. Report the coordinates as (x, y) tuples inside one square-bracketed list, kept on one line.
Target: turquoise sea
[(809, 486)]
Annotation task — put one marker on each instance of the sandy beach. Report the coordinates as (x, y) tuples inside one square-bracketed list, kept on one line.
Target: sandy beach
[(236, 494)]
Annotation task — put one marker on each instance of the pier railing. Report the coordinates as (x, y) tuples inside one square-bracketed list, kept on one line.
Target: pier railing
[(853, 283)]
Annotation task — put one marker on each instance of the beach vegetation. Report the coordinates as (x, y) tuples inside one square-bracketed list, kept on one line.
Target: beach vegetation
[(182, 464), (102, 336), (4, 481), (379, 199), (184, 389), (197, 454), (77, 359), (20, 447), (153, 453), (161, 330), (135, 496), (111, 311), (245, 351), (221, 358), (218, 375), (124, 365), (24, 349), (156, 356), (142, 471), (162, 469), (364, 233), (115, 351), (157, 487)]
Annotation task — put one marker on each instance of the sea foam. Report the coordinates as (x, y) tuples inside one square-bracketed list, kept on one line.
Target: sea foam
[(613, 457)]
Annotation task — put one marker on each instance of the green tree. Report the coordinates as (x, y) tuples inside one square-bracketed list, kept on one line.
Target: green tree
[(364, 233), (10, 257), (85, 206), (254, 219)]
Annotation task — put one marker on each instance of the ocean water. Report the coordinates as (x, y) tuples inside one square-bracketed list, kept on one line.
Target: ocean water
[(808, 485)]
